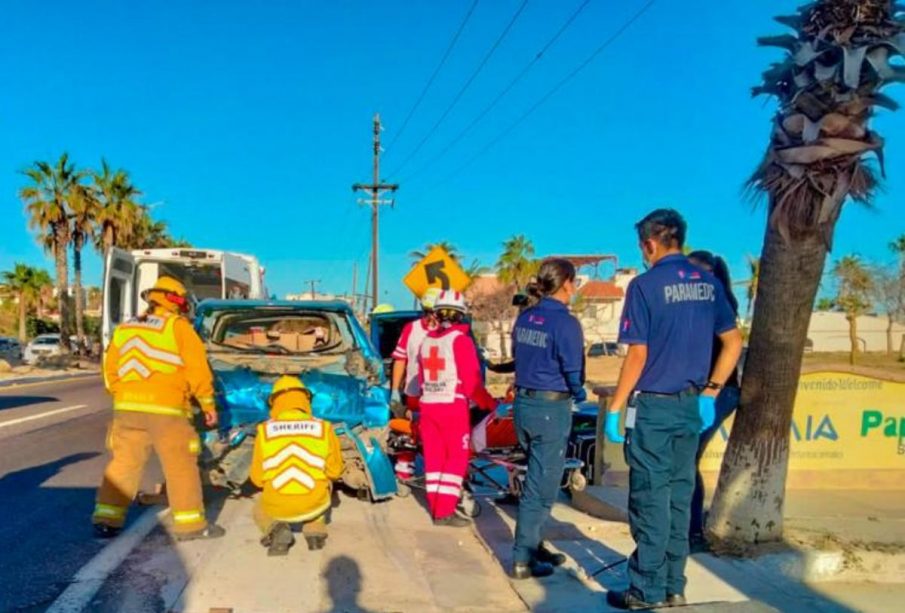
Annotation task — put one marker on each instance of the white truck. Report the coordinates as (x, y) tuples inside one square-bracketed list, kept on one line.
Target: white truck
[(206, 273)]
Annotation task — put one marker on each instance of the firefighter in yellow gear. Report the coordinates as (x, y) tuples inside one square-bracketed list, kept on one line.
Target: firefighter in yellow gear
[(296, 459), (155, 364)]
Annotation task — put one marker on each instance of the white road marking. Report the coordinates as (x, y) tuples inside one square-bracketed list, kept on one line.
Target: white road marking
[(86, 583), (22, 420)]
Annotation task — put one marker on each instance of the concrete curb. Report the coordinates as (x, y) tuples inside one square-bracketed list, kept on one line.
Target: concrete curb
[(805, 566), (48, 379)]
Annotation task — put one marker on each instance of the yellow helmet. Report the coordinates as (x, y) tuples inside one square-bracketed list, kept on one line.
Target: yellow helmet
[(382, 308), (173, 295), (285, 384), (166, 285)]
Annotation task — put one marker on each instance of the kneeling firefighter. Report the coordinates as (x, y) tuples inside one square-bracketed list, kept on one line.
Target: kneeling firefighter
[(154, 365), (450, 376), (296, 459)]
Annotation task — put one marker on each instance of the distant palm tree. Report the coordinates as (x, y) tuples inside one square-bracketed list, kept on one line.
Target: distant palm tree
[(85, 208), (751, 284), (47, 201), (118, 209), (417, 256), (517, 264), (855, 286), (146, 233), (25, 283)]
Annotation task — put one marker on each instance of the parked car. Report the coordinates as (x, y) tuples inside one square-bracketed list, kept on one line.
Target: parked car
[(42, 347), (10, 348), (251, 343), (597, 350)]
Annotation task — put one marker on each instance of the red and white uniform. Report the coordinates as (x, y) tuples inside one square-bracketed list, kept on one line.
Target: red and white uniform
[(450, 376)]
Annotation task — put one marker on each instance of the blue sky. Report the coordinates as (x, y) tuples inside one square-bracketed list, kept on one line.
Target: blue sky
[(245, 124)]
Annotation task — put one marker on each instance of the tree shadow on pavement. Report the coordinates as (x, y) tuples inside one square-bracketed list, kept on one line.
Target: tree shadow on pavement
[(16, 402), (344, 584)]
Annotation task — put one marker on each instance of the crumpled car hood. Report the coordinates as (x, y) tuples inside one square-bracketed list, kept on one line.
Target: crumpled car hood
[(337, 397)]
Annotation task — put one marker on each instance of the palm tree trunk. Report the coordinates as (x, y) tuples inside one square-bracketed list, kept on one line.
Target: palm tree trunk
[(77, 245), (23, 316), (889, 342), (853, 337), (748, 504), (108, 238), (61, 248)]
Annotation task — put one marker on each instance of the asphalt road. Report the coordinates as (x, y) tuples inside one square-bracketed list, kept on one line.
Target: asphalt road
[(51, 459)]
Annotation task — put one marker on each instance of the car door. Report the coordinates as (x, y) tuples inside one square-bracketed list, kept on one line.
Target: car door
[(119, 291)]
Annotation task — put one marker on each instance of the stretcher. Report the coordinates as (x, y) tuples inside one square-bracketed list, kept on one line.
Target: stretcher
[(497, 466)]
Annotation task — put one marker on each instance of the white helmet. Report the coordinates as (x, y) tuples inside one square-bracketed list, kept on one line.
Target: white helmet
[(451, 300), (429, 299)]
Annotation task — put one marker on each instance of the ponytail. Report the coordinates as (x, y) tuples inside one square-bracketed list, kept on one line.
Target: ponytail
[(553, 274)]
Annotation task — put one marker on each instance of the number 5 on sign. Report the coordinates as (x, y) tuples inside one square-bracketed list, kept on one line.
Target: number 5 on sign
[(437, 269)]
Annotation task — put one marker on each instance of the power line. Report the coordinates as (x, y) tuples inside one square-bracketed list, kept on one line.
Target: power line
[(430, 81), (571, 75), (502, 93), (463, 89)]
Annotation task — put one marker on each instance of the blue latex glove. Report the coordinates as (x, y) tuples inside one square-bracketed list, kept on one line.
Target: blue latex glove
[(611, 428), (580, 395), (395, 397), (707, 410)]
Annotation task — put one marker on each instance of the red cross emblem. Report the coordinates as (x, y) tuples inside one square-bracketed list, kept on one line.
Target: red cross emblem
[(434, 364)]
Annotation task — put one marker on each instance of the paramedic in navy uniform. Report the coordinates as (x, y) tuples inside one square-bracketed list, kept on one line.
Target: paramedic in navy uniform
[(548, 347), (672, 314)]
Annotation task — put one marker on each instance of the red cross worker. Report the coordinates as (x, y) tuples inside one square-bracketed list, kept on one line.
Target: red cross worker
[(450, 376)]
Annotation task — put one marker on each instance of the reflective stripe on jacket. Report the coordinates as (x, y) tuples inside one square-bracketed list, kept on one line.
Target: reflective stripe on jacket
[(155, 364), (296, 456)]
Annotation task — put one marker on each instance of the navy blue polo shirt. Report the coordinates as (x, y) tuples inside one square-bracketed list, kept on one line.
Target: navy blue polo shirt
[(547, 343), (675, 309)]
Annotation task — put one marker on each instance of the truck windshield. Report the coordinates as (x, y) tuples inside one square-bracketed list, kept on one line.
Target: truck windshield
[(280, 332), (201, 280)]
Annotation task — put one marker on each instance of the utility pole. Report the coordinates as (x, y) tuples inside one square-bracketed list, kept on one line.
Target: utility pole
[(313, 283), (376, 188), (354, 280)]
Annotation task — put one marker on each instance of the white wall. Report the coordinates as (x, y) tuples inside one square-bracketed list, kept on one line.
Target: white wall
[(829, 332)]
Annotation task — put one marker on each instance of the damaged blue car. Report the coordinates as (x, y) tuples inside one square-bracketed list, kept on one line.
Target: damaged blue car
[(251, 343)]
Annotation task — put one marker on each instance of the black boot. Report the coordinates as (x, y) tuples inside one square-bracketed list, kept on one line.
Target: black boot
[(545, 555), (453, 521), (535, 569), (106, 532), (278, 540), (316, 542), (630, 601), (213, 531)]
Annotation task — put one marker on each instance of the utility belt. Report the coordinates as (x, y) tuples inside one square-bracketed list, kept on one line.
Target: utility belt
[(691, 390), (542, 394)]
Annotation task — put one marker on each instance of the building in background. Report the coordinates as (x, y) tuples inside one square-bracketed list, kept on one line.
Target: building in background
[(600, 303)]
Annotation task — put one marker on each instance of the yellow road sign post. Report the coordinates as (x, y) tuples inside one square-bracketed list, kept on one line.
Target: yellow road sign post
[(437, 269)]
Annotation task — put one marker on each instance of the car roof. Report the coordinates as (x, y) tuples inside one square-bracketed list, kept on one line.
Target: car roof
[(333, 306)]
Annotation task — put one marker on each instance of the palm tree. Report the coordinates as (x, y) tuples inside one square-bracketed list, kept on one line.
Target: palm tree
[(149, 234), (517, 264), (754, 271), (118, 208), (25, 283), (853, 293), (827, 86), (85, 208), (448, 247), (47, 201)]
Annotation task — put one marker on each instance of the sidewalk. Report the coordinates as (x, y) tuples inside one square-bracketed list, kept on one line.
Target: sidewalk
[(383, 557), (597, 551)]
